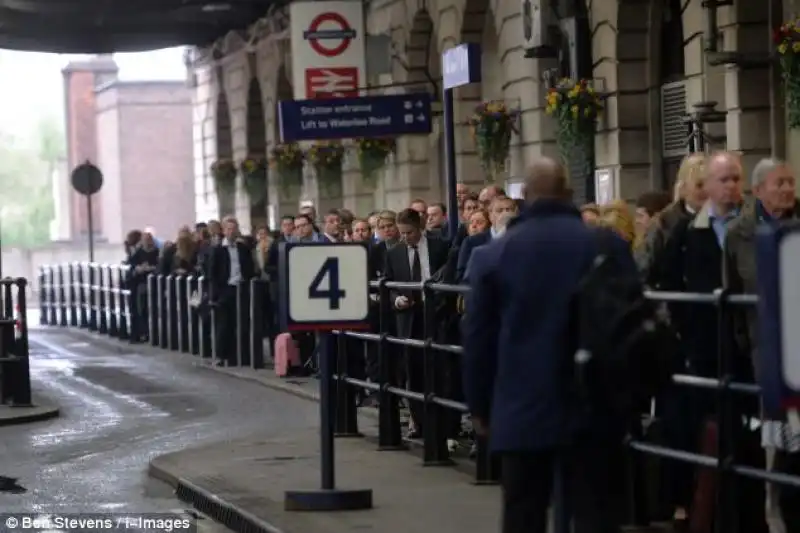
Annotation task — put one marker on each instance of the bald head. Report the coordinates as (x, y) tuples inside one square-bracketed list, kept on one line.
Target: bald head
[(546, 179)]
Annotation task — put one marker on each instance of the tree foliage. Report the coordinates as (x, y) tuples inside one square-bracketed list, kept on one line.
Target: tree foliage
[(27, 167)]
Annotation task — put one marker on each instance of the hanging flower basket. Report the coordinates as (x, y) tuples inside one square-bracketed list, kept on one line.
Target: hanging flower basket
[(492, 124), (286, 161), (326, 159), (372, 156), (787, 42), (223, 172), (576, 106), (254, 174)]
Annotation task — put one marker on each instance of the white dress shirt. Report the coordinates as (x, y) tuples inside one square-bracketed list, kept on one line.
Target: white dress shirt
[(424, 259), (424, 263), (236, 268)]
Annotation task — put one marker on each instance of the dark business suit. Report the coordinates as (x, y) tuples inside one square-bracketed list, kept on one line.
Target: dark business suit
[(465, 251), (223, 296), (410, 321), (516, 344)]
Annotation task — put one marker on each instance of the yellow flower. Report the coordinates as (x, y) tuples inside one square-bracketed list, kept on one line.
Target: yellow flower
[(574, 110), (782, 48), (796, 47)]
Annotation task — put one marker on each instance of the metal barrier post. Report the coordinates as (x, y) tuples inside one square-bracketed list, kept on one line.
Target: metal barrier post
[(102, 307), (124, 302), (42, 296), (163, 311), (435, 452), (52, 297), (182, 306), (243, 323), (62, 297), (22, 396), (82, 297), (206, 322), (113, 293), (389, 434), (345, 414), (154, 292), (193, 288), (725, 518), (73, 297), (172, 312), (257, 288), (92, 296)]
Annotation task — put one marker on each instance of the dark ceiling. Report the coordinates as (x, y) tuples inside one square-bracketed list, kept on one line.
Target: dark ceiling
[(105, 26)]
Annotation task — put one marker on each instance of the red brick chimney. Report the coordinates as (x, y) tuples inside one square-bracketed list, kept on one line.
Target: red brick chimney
[(81, 78)]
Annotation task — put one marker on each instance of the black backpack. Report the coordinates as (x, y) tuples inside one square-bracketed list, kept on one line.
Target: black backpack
[(624, 345)]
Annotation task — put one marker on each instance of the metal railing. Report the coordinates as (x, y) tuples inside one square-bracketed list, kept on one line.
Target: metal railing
[(174, 324)]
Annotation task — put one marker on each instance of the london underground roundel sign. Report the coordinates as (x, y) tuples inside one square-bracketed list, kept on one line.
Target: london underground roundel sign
[(330, 28)]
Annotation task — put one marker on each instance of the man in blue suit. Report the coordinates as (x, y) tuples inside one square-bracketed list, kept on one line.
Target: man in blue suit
[(517, 348)]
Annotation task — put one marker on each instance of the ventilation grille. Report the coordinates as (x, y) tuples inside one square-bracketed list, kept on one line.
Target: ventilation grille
[(673, 110)]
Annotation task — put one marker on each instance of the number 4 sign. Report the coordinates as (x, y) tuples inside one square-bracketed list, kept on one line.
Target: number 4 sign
[(323, 286)]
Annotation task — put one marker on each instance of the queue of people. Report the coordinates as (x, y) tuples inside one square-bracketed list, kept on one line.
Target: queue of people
[(523, 260), (518, 334)]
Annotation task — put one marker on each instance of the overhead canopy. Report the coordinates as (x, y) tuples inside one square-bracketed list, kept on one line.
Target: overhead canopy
[(105, 26)]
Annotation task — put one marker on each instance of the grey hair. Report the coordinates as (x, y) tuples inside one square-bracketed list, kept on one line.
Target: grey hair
[(763, 168)]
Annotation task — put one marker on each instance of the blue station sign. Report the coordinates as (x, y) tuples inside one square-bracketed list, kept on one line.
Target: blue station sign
[(343, 118), (461, 65)]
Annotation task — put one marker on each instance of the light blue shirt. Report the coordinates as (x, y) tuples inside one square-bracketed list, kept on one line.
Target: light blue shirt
[(720, 224)]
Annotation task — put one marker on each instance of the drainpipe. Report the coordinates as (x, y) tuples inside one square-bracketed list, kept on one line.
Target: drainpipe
[(711, 36), (778, 131)]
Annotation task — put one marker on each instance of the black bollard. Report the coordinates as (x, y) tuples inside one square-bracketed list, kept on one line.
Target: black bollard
[(329, 498), (206, 322), (42, 296), (82, 296), (172, 312), (243, 324), (163, 312), (22, 386), (62, 297), (52, 297), (113, 299), (153, 303), (192, 290), (257, 288), (102, 304), (73, 295), (93, 297), (124, 303), (181, 288), (344, 397)]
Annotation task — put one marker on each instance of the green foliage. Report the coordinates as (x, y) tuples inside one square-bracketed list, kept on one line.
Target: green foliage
[(26, 173)]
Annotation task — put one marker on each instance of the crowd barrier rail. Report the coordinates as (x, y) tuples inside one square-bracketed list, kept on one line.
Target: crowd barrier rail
[(97, 297)]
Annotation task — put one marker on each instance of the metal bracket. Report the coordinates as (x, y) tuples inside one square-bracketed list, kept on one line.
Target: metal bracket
[(740, 59)]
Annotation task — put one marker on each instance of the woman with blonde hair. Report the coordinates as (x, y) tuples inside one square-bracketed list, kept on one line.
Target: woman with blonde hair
[(185, 255), (617, 216), (689, 198)]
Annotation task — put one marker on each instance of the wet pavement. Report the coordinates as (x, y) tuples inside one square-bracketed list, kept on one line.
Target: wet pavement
[(119, 410)]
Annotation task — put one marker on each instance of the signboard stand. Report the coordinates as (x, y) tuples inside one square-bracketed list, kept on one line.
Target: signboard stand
[(324, 287), (461, 66), (87, 180)]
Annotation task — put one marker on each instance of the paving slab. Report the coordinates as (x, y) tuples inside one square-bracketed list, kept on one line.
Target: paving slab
[(251, 475), (10, 416)]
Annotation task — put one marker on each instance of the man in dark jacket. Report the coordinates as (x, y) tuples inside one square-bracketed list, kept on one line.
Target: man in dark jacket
[(516, 348)]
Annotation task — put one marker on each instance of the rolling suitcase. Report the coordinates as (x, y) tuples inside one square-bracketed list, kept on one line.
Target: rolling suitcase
[(287, 356)]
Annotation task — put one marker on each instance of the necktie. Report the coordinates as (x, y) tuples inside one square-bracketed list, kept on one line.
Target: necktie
[(416, 266)]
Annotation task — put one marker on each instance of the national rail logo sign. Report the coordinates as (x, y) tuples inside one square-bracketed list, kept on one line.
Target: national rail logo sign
[(328, 48), (331, 82)]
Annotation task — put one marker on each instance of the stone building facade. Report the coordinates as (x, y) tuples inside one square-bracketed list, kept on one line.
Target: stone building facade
[(647, 56)]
